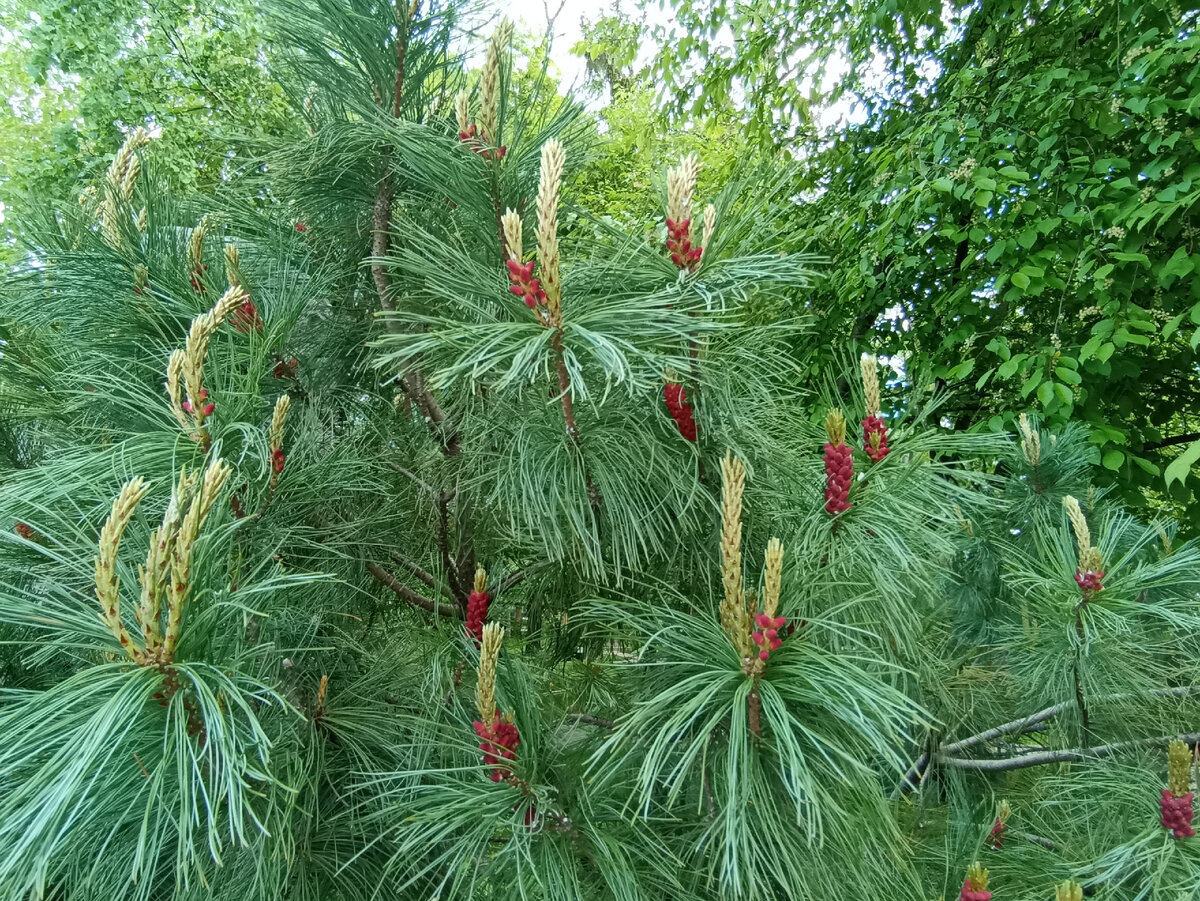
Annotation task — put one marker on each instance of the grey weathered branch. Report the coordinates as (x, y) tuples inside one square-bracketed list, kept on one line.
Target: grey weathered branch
[(1035, 722), (1038, 758)]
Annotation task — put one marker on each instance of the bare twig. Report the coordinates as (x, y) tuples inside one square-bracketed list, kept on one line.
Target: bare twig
[(1035, 722), (417, 600), (1038, 758), (586, 719), (422, 574)]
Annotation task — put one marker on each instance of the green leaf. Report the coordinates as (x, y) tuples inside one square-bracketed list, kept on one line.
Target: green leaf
[(1179, 264), (1021, 280), (1090, 347), (1045, 393), (1105, 351), (1064, 393), (1070, 376), (1009, 366), (1177, 470), (1113, 460)]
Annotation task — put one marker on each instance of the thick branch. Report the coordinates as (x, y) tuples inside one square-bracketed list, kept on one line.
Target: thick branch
[(1039, 758), (422, 574), (417, 600), (1172, 441), (1032, 723)]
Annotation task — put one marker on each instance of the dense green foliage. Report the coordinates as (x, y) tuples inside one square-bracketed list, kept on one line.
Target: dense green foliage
[(1015, 217), (363, 430)]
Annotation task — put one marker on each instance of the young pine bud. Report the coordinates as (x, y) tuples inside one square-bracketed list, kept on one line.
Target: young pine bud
[(489, 88), (157, 571), (462, 110), (233, 274), (275, 437), (485, 689), (511, 222), (180, 583), (710, 226), (734, 618), (549, 184), (108, 584), (1068, 891), (1031, 440), (773, 577)]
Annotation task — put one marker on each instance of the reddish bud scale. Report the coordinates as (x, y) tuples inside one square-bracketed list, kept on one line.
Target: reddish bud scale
[(245, 318), (679, 244), (767, 637), (1177, 813), (286, 369), (500, 741), (875, 438), (301, 227), (524, 285), (477, 611), (1089, 581), (680, 410), (839, 473), (277, 459), (995, 838), (970, 894), (195, 277), (24, 530), (207, 408)]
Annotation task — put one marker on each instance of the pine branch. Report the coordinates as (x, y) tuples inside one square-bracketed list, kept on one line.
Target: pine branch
[(422, 574), (412, 382), (1060, 756), (443, 543), (417, 600), (586, 719), (1032, 723), (417, 480)]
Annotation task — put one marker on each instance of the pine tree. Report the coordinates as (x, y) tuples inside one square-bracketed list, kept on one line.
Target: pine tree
[(382, 525)]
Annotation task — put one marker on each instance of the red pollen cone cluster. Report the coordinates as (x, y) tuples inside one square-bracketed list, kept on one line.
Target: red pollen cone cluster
[(475, 136), (301, 227), (680, 410), (524, 285), (875, 438), (995, 839), (499, 743), (767, 637), (245, 318), (1177, 813), (477, 610), (196, 276), (970, 894), (679, 243), (839, 472), (277, 460), (1089, 581), (286, 369), (207, 409)]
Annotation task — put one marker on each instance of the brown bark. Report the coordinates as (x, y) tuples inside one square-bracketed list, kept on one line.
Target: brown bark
[(417, 600)]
